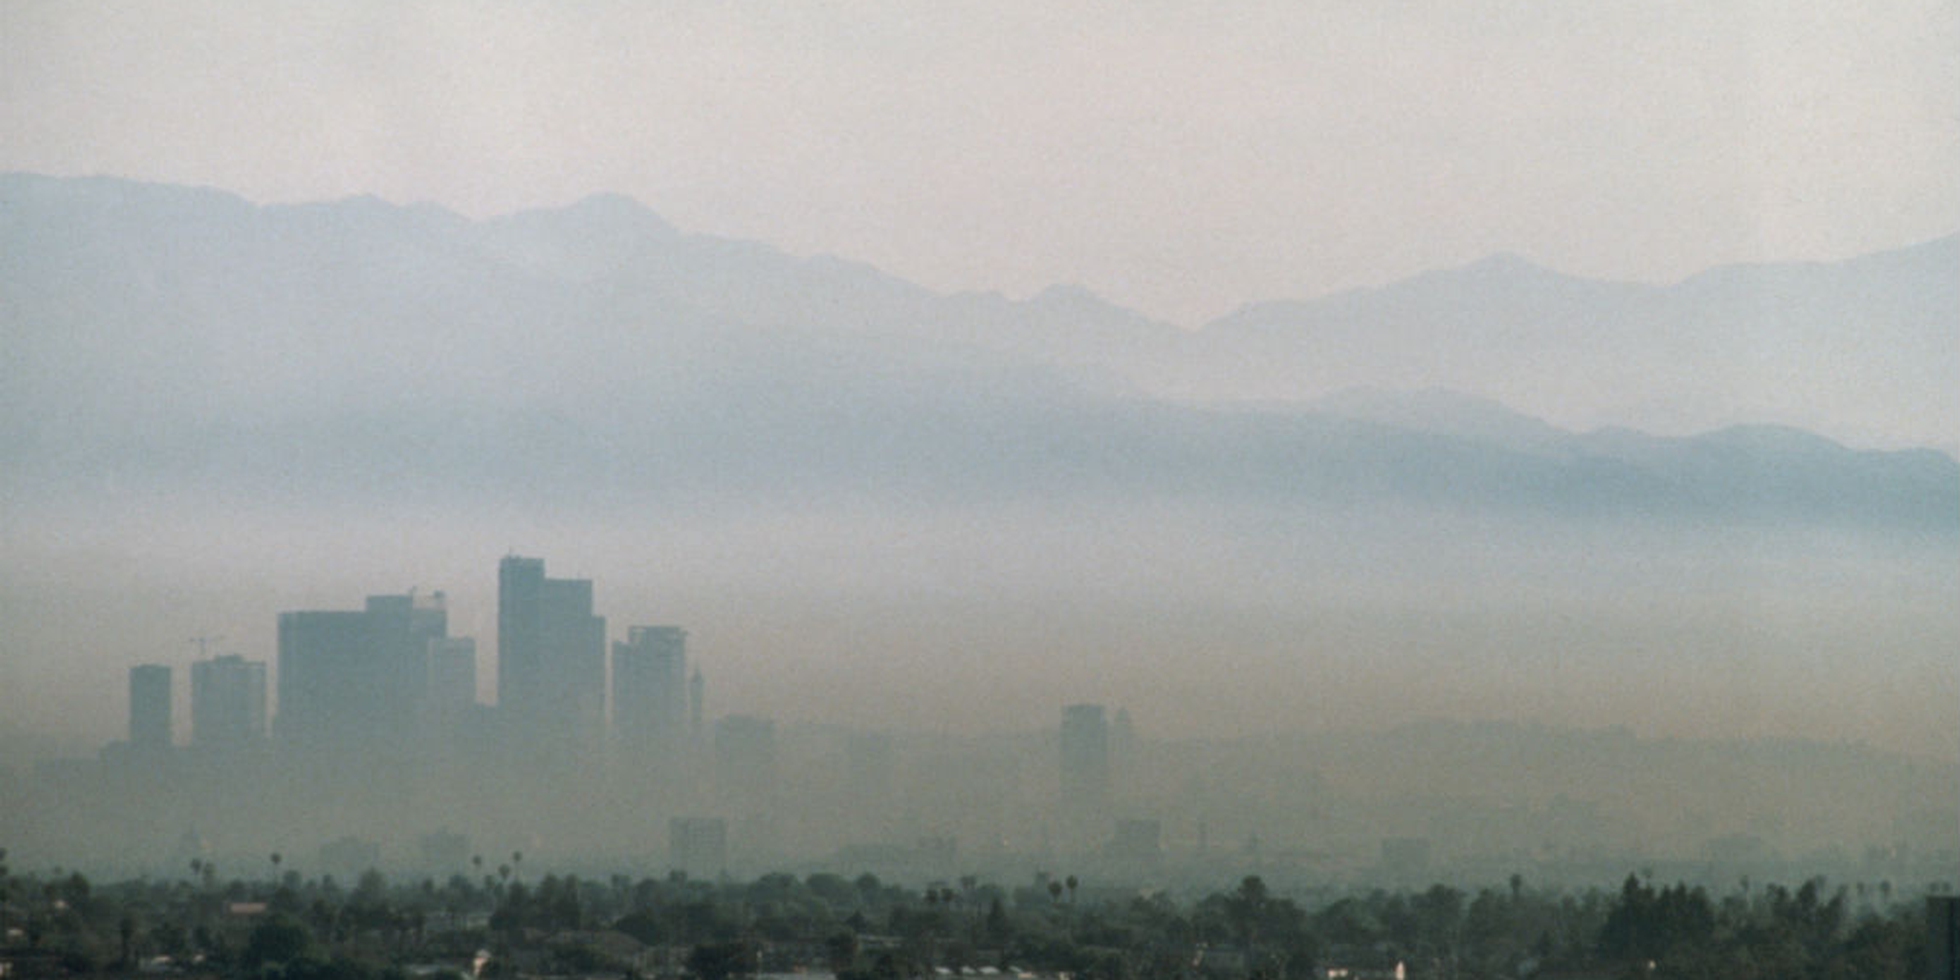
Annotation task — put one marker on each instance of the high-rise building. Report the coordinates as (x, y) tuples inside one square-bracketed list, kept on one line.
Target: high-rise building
[(551, 658), (1122, 753), (649, 683), (1085, 760), (354, 680), (452, 686), (149, 708), (697, 702), (227, 703)]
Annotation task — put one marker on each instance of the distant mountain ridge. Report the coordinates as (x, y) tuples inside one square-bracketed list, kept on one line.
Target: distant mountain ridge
[(171, 334)]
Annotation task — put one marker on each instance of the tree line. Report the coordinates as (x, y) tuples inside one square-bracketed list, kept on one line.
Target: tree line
[(279, 925)]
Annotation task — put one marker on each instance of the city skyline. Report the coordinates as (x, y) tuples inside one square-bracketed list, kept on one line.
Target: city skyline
[(369, 708), (1309, 436), (374, 758), (1098, 800), (357, 680)]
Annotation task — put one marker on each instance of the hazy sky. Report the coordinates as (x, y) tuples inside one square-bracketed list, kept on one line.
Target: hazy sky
[(1179, 157)]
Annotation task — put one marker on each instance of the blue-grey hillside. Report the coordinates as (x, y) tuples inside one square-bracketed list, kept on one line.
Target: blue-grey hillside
[(1861, 350), (168, 339)]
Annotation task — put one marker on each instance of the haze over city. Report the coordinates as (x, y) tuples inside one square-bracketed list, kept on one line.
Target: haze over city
[(1289, 377)]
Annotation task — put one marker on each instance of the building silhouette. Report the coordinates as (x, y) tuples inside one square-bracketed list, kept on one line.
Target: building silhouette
[(149, 708), (227, 703), (451, 705), (551, 659), (1085, 761), (356, 681), (649, 685), (697, 703), (1122, 754)]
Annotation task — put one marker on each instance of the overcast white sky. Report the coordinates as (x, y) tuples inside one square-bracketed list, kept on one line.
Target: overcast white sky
[(1181, 157)]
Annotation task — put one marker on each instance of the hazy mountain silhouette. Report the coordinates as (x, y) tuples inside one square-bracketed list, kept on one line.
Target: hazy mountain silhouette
[(181, 337), (1850, 348)]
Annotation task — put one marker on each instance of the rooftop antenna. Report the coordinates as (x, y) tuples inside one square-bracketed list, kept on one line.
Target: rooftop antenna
[(204, 645)]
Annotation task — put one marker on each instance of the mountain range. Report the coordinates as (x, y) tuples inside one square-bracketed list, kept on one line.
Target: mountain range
[(172, 339)]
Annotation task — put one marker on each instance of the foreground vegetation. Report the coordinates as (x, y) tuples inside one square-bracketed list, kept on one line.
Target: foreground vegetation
[(285, 927)]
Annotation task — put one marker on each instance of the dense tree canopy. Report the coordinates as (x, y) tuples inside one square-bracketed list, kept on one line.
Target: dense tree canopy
[(867, 929)]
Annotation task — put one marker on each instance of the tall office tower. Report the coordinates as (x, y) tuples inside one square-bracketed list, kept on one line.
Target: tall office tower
[(149, 708), (649, 683), (697, 703), (357, 681), (227, 703), (452, 687), (1085, 760), (551, 659), (1122, 754)]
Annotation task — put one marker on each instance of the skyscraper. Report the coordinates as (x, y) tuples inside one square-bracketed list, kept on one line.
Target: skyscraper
[(452, 676), (149, 708), (649, 683), (227, 703), (697, 705), (356, 680), (551, 658), (455, 720), (1085, 760)]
